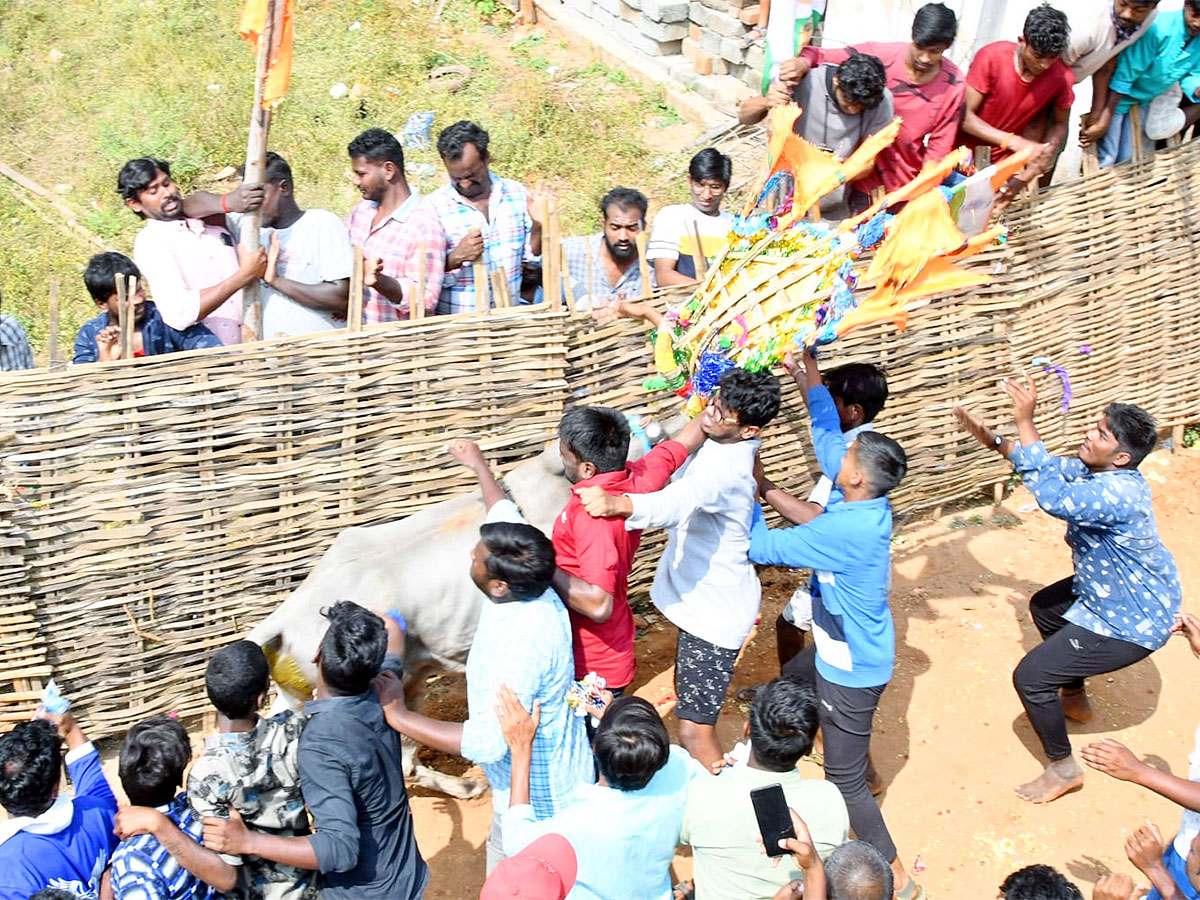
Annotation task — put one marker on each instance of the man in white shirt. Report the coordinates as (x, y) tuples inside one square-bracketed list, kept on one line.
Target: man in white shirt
[(705, 584), (672, 249), (309, 260)]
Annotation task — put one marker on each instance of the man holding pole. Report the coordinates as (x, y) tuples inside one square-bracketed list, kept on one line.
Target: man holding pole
[(395, 230), (188, 256), (485, 218), (309, 260)]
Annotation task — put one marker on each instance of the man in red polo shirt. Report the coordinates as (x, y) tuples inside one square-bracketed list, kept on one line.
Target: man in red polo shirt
[(1011, 88), (594, 555), (928, 92)]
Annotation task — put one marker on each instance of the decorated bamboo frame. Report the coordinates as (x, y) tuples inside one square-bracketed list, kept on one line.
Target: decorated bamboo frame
[(155, 509)]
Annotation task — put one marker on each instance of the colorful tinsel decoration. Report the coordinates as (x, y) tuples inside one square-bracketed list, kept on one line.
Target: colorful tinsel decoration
[(783, 283)]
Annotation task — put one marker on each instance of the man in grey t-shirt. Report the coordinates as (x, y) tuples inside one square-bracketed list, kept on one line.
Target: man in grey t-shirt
[(841, 106)]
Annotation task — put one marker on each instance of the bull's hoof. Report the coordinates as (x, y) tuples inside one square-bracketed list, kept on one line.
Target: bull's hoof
[(455, 785)]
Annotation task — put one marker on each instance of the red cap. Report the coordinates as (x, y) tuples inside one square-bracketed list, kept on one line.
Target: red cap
[(545, 870)]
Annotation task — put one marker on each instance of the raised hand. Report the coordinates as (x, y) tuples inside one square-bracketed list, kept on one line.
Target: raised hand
[(467, 452)]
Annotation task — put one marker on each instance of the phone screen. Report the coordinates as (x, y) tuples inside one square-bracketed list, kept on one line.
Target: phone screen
[(774, 820)]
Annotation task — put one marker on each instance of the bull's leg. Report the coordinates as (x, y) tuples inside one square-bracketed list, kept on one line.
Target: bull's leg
[(417, 775)]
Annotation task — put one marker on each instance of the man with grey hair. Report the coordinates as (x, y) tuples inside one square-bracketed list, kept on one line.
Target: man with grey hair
[(857, 871)]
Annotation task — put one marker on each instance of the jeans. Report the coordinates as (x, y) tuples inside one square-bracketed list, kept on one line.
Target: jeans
[(1066, 656), (1117, 144), (846, 715)]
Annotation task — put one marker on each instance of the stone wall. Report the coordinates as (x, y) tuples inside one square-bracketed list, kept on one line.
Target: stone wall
[(708, 46)]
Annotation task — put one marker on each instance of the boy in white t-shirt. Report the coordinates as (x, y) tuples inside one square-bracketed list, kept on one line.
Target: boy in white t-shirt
[(859, 391), (672, 248), (309, 260)]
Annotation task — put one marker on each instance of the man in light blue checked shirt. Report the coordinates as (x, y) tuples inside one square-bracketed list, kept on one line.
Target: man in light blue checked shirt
[(523, 640), (1121, 602), (485, 218)]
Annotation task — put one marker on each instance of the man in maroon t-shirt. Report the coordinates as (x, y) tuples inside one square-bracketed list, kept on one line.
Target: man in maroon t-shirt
[(595, 556), (1011, 88), (928, 92)]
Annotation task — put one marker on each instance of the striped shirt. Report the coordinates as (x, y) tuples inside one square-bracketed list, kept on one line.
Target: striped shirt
[(525, 644), (14, 346), (142, 869), (505, 232), (411, 229)]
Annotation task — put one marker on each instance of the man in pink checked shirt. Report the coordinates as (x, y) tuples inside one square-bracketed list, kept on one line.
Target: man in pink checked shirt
[(394, 228), (191, 262)]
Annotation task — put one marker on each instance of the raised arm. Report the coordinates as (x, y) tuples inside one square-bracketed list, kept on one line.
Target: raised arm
[(469, 454), (1113, 758)]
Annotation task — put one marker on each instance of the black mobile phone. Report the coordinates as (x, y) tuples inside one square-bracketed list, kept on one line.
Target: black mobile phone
[(774, 820)]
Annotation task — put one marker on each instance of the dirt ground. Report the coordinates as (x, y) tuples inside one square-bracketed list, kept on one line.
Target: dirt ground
[(951, 740)]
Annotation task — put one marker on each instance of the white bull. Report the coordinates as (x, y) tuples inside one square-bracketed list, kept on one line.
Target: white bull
[(420, 566)]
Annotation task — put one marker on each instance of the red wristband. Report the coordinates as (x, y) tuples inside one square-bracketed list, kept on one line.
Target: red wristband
[(224, 205)]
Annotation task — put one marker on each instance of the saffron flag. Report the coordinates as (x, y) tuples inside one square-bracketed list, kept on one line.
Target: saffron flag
[(790, 24), (279, 59)]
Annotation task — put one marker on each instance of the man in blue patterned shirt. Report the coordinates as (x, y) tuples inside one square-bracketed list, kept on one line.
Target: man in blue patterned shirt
[(1120, 604), (159, 857), (523, 640)]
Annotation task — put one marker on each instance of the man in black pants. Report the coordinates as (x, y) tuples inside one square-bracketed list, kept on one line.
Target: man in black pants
[(1120, 604)]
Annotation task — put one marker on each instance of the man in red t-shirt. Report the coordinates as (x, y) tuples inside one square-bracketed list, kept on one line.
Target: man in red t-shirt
[(1011, 88), (595, 556), (928, 92)]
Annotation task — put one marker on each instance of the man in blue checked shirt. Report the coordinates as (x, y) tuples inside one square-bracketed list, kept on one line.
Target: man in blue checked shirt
[(486, 219), (523, 640), (1121, 602), (848, 547)]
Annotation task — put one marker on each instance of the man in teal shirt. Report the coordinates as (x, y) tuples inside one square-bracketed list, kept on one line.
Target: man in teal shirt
[(1156, 73)]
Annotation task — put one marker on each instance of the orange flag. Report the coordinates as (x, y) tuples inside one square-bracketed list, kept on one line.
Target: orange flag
[(279, 63)]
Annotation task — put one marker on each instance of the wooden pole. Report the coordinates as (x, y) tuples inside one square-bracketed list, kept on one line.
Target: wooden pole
[(568, 288), (53, 321), (701, 259), (644, 264), (547, 294), (416, 304), (590, 271), (122, 317), (528, 13), (354, 309), (483, 300), (556, 279), (256, 161)]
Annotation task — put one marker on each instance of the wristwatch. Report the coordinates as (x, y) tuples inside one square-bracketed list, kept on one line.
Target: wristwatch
[(997, 441)]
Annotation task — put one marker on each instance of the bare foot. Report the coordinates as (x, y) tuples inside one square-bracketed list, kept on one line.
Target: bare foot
[(1061, 777), (1076, 706)]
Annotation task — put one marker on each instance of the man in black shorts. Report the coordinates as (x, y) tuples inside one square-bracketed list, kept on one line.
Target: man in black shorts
[(705, 583)]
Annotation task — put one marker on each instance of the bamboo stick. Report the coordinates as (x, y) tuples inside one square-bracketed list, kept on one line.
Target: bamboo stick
[(354, 307), (483, 298), (568, 293), (644, 264), (256, 161), (701, 259), (416, 298), (53, 321)]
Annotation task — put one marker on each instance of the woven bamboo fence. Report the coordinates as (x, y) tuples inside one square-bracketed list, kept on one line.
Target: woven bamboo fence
[(155, 509)]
